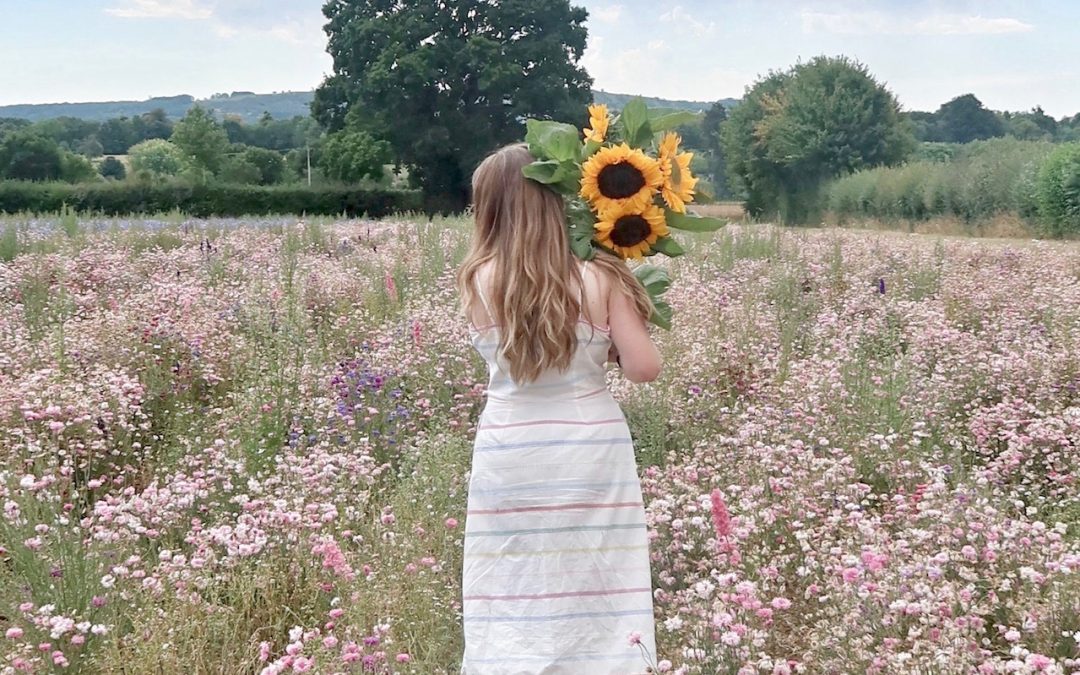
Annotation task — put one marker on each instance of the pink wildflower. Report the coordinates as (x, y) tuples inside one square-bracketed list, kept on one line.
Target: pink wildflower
[(721, 518), (391, 287)]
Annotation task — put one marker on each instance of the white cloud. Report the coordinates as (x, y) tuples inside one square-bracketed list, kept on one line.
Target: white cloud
[(609, 14), (954, 24), (680, 16), (295, 23), (647, 70), (299, 33), (881, 23), (160, 9)]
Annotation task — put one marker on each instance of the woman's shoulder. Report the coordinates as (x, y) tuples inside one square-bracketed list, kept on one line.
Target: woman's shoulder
[(596, 274), (603, 273)]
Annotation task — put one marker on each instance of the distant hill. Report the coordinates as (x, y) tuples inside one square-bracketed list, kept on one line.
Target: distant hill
[(247, 105), (617, 101), (250, 106)]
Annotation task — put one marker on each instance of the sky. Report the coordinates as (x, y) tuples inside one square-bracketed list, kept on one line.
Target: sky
[(1012, 54)]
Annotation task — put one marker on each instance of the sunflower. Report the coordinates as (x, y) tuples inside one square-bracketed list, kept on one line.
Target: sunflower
[(619, 176), (678, 187), (598, 123), (631, 232)]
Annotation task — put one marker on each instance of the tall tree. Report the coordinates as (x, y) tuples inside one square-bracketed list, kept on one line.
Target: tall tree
[(711, 124), (28, 155), (749, 168), (964, 119), (117, 135), (447, 81), (798, 128), (1044, 121), (154, 124), (201, 138)]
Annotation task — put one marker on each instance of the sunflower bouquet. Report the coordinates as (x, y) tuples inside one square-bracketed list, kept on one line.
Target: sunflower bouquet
[(626, 186)]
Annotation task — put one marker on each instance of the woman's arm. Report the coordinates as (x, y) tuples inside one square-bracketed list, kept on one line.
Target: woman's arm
[(634, 348)]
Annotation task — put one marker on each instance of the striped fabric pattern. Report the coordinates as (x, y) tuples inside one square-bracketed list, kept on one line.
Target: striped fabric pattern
[(556, 564)]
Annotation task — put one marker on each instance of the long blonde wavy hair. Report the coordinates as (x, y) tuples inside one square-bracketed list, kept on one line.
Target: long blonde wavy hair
[(536, 279)]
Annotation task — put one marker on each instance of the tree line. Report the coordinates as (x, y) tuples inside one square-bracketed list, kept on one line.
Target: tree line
[(431, 92), (444, 88), (965, 119), (798, 130), (197, 148)]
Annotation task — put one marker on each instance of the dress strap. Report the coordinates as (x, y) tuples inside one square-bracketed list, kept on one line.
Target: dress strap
[(483, 299), (581, 295)]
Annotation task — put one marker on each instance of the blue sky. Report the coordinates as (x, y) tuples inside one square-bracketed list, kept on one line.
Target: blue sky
[(1011, 54)]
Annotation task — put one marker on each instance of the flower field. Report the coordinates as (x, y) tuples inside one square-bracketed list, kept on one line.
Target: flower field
[(243, 447)]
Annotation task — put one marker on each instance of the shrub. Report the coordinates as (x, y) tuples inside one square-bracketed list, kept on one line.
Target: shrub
[(982, 179), (27, 155), (1058, 190), (931, 151), (271, 164), (76, 168), (157, 158), (237, 169), (352, 156), (117, 198), (111, 167)]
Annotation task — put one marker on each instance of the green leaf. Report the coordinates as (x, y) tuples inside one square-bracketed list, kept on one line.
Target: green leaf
[(655, 279), (635, 124), (582, 247), (692, 223), (660, 120), (668, 247), (702, 195), (553, 140), (580, 227), (570, 177), (661, 315), (542, 171), (562, 176)]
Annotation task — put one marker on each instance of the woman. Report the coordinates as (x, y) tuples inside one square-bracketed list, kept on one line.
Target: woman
[(556, 565)]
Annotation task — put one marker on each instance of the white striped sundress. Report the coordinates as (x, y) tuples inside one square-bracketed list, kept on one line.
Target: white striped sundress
[(556, 564)]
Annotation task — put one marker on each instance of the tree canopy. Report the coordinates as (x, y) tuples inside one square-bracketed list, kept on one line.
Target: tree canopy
[(446, 82), (201, 138), (157, 158), (28, 155), (964, 119), (800, 127), (351, 156)]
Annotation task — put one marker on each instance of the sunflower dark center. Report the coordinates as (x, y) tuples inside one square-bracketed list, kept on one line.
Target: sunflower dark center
[(619, 181), (630, 231)]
